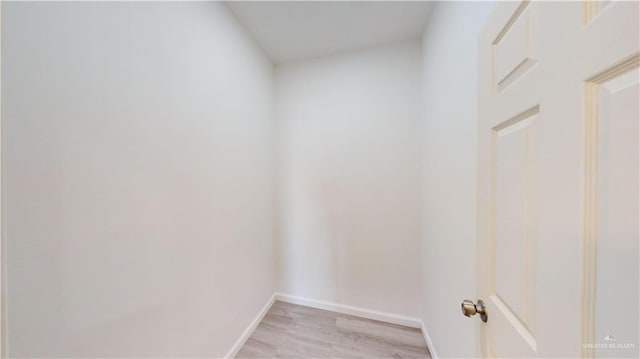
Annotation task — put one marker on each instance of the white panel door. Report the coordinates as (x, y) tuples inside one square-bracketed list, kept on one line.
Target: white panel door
[(558, 218)]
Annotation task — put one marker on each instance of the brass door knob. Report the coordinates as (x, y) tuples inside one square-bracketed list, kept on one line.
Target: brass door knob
[(470, 308)]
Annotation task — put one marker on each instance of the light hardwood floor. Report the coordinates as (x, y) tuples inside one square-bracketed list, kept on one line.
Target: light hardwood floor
[(296, 331)]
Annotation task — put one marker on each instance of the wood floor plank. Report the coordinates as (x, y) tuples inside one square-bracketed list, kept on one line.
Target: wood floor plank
[(395, 335), (256, 349), (295, 331)]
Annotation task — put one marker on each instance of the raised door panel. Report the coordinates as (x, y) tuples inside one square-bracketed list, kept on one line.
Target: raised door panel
[(512, 260), (612, 212), (514, 48)]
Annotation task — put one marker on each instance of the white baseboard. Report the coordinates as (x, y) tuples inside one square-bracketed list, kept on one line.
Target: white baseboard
[(247, 332), (334, 307), (347, 309), (427, 339)]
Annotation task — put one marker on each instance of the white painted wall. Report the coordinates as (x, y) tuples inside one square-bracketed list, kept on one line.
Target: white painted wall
[(349, 186), (137, 170), (449, 173)]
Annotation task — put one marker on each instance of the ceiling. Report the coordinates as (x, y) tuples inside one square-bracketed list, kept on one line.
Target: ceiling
[(290, 31)]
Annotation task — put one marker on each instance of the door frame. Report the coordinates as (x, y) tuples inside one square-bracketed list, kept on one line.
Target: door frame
[(3, 297)]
